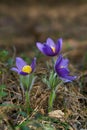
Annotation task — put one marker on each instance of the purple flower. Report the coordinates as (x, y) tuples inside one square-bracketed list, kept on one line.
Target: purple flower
[(50, 48), (61, 68), (22, 68)]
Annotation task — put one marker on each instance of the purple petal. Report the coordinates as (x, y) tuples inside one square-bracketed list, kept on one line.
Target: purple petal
[(62, 72), (57, 64), (40, 46), (23, 73), (33, 64), (45, 49), (69, 78), (64, 63), (50, 42), (59, 45), (48, 51), (15, 69), (61, 68), (61, 62), (20, 63)]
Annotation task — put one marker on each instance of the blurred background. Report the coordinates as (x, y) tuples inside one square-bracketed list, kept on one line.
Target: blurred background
[(23, 22)]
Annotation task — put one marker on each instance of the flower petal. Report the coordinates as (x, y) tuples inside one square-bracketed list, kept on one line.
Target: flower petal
[(59, 45), (48, 51), (33, 64), (15, 69), (45, 49), (61, 62), (62, 72), (50, 42), (23, 73), (69, 78), (20, 63), (40, 46), (64, 63), (61, 68), (57, 64)]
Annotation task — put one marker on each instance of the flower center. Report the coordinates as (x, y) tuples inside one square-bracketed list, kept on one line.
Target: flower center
[(53, 49), (61, 66), (27, 69)]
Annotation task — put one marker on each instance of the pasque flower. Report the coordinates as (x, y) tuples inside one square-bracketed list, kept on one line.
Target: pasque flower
[(50, 48), (61, 68), (22, 68)]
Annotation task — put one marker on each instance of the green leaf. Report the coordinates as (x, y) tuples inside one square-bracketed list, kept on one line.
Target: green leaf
[(25, 128), (46, 82), (2, 91), (3, 55), (3, 94), (24, 114), (2, 86)]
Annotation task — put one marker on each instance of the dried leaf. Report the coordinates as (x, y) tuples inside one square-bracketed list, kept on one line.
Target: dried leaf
[(57, 114)]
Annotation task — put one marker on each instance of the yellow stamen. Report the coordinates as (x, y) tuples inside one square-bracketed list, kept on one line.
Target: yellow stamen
[(27, 69), (53, 49)]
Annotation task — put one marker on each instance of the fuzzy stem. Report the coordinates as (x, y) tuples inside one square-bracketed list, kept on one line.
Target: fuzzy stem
[(22, 91), (51, 100), (27, 102)]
